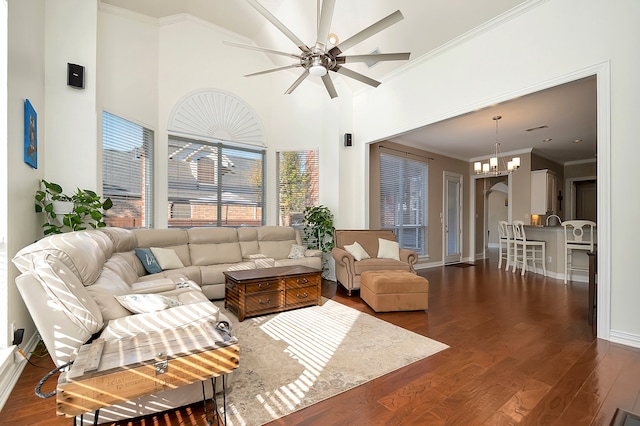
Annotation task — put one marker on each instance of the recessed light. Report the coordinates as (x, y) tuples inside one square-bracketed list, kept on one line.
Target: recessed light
[(547, 140), (333, 39), (576, 140)]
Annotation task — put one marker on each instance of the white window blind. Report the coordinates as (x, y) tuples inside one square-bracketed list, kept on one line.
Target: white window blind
[(297, 186), (127, 172), (214, 184), (403, 200)]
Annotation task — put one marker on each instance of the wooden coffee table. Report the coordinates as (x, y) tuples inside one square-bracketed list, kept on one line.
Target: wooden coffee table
[(262, 291)]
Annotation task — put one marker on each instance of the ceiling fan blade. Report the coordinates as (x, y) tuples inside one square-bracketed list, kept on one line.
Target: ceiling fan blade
[(373, 58), (329, 86), (297, 82), (273, 70), (367, 32), (324, 24), (279, 25), (356, 76), (262, 49)]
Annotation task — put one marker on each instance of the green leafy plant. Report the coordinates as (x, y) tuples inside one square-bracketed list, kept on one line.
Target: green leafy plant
[(87, 209), (318, 231)]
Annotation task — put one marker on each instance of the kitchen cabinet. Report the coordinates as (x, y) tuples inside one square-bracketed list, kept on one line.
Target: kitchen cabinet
[(543, 192)]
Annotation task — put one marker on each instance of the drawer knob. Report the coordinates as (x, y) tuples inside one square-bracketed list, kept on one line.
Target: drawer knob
[(264, 302), (264, 285), (303, 295), (302, 280)]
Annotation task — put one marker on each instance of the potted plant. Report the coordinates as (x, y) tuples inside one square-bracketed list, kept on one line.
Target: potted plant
[(85, 208), (318, 232)]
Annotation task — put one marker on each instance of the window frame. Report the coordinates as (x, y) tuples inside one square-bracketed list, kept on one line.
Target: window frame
[(218, 148), (147, 188), (409, 204)]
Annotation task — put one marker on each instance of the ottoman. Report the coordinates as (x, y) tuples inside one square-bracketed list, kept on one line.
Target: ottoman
[(388, 291)]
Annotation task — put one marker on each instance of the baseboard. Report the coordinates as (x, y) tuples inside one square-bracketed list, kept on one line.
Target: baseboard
[(11, 366), (624, 338)]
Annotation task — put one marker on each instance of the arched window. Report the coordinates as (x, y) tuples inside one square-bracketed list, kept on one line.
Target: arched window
[(216, 162)]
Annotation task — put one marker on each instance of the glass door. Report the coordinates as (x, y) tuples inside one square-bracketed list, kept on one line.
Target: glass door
[(452, 220)]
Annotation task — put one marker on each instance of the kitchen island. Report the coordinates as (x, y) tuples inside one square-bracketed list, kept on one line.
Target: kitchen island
[(553, 236)]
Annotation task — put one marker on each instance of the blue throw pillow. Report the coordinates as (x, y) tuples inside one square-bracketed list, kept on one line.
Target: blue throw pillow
[(148, 260)]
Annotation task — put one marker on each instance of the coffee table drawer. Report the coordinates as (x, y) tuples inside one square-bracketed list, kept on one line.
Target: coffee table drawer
[(302, 295), (258, 302), (262, 286), (301, 281)]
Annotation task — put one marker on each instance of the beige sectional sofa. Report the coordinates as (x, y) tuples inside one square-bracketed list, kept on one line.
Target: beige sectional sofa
[(87, 284)]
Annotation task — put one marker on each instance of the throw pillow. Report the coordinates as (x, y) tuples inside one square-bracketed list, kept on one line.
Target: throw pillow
[(388, 249), (148, 260), (357, 251), (297, 252), (143, 303), (167, 258)]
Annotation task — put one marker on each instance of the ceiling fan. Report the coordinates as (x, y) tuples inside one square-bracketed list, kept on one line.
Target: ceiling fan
[(319, 59)]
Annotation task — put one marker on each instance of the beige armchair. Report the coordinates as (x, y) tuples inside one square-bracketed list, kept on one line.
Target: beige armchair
[(348, 269)]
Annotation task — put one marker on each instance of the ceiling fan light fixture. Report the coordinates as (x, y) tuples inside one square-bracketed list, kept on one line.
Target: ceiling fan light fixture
[(317, 68)]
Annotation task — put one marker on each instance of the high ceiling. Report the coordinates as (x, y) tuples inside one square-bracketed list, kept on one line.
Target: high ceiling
[(568, 111)]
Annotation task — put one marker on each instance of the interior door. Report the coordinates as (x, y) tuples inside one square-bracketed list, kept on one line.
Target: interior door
[(452, 220)]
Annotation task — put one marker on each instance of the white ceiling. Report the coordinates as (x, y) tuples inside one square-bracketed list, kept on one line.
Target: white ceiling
[(569, 110)]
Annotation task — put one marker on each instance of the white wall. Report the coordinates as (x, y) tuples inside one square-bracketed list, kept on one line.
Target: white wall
[(555, 39), (71, 127), (25, 80), (25, 74)]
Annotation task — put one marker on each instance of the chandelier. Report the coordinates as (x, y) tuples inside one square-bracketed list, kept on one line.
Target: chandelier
[(492, 166)]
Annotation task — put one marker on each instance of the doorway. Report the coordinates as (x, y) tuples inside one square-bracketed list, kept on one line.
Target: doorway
[(452, 220), (586, 200)]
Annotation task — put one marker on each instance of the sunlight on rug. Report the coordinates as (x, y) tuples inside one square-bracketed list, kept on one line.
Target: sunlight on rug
[(293, 359)]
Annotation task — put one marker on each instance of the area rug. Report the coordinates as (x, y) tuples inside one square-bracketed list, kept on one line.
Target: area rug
[(293, 359)]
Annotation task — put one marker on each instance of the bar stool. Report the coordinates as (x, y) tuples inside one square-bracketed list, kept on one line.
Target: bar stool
[(578, 235), (505, 239), (532, 250)]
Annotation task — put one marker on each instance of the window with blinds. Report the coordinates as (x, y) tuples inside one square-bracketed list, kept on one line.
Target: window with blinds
[(127, 172), (214, 184), (297, 186), (403, 200)]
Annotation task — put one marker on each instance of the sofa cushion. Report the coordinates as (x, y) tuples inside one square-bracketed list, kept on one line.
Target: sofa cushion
[(170, 319), (212, 235), (148, 260), (248, 238), (375, 264), (108, 285), (68, 294), (79, 251), (135, 268), (213, 254), (143, 303), (124, 264), (357, 251), (213, 274), (167, 258), (211, 246), (388, 249), (276, 249), (123, 239), (297, 252), (175, 239)]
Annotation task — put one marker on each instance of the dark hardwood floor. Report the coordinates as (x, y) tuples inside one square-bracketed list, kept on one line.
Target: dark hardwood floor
[(521, 352)]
